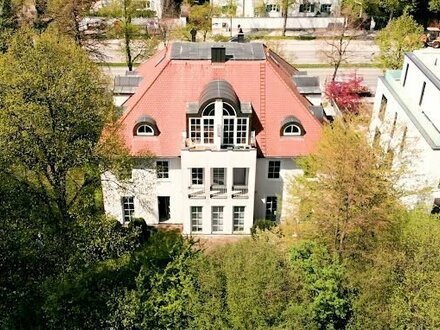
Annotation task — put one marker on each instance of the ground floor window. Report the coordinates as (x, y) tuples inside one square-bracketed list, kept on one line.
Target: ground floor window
[(217, 218), (127, 208), (238, 216), (196, 218), (164, 207), (271, 208)]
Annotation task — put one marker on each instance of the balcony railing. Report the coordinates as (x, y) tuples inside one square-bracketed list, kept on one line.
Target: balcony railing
[(218, 192), (195, 192), (240, 192)]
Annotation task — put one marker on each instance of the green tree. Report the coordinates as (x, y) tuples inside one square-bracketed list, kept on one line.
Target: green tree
[(285, 5), (8, 23), (323, 301), (53, 112), (400, 35), (137, 44), (200, 17), (434, 5), (414, 303), (351, 196)]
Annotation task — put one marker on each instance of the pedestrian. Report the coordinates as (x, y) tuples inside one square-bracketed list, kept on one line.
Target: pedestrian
[(193, 34), (240, 30)]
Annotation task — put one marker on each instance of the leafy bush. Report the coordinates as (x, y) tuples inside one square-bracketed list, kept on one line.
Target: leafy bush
[(262, 225), (220, 38)]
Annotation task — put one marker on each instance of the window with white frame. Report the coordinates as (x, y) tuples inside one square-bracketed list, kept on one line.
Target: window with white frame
[(127, 208), (145, 130), (195, 130), (273, 171), (217, 218), (218, 176), (234, 130), (238, 216), (228, 131), (292, 130), (242, 129), (208, 130), (162, 170), (197, 176), (196, 218)]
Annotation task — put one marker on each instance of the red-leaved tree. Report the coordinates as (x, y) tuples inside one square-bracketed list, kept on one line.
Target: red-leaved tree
[(346, 94)]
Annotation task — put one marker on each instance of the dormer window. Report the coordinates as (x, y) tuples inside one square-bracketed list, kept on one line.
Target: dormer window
[(292, 129), (219, 119), (145, 126), (291, 126), (144, 129)]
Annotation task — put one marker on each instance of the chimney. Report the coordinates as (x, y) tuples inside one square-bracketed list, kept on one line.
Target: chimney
[(218, 54)]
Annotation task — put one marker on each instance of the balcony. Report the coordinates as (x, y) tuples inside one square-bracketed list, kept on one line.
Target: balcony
[(196, 192), (218, 192), (240, 192)]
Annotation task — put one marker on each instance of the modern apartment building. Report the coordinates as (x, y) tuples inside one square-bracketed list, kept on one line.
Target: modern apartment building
[(406, 121)]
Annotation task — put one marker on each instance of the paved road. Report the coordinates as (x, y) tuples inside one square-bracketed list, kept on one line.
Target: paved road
[(312, 51), (294, 51)]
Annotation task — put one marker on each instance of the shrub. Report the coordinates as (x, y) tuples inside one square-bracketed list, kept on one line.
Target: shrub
[(220, 38), (262, 225)]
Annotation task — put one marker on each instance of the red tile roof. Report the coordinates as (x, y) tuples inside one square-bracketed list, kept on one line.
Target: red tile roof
[(169, 84)]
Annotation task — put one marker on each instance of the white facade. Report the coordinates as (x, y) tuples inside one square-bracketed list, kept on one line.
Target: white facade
[(406, 121), (272, 8), (259, 196)]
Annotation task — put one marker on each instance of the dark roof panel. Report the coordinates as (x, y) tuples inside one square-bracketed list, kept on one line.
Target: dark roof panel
[(202, 51), (219, 89)]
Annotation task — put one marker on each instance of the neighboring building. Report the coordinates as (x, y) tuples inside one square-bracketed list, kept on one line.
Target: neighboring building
[(226, 124), (406, 121), (272, 8)]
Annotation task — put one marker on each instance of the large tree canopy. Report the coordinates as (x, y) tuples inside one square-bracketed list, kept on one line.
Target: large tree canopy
[(400, 35), (54, 104)]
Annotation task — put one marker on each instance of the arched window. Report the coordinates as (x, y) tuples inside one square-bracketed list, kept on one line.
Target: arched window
[(145, 126), (292, 129), (291, 126), (234, 130), (144, 129)]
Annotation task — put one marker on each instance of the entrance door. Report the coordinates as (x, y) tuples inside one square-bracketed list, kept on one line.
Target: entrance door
[(164, 207)]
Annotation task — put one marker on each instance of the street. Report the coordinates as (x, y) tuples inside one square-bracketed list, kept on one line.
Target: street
[(294, 51)]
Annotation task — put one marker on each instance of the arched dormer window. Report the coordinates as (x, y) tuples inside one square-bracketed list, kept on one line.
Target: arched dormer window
[(144, 129), (145, 126), (291, 126), (292, 129)]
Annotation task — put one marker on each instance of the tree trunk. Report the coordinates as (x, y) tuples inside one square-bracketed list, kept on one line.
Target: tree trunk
[(284, 22), (127, 37)]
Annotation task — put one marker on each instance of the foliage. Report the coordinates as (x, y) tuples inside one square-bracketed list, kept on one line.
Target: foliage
[(220, 38), (351, 197), (256, 281), (324, 302), (200, 17), (138, 45), (400, 35), (414, 304), (54, 110), (8, 23), (346, 94), (262, 225)]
